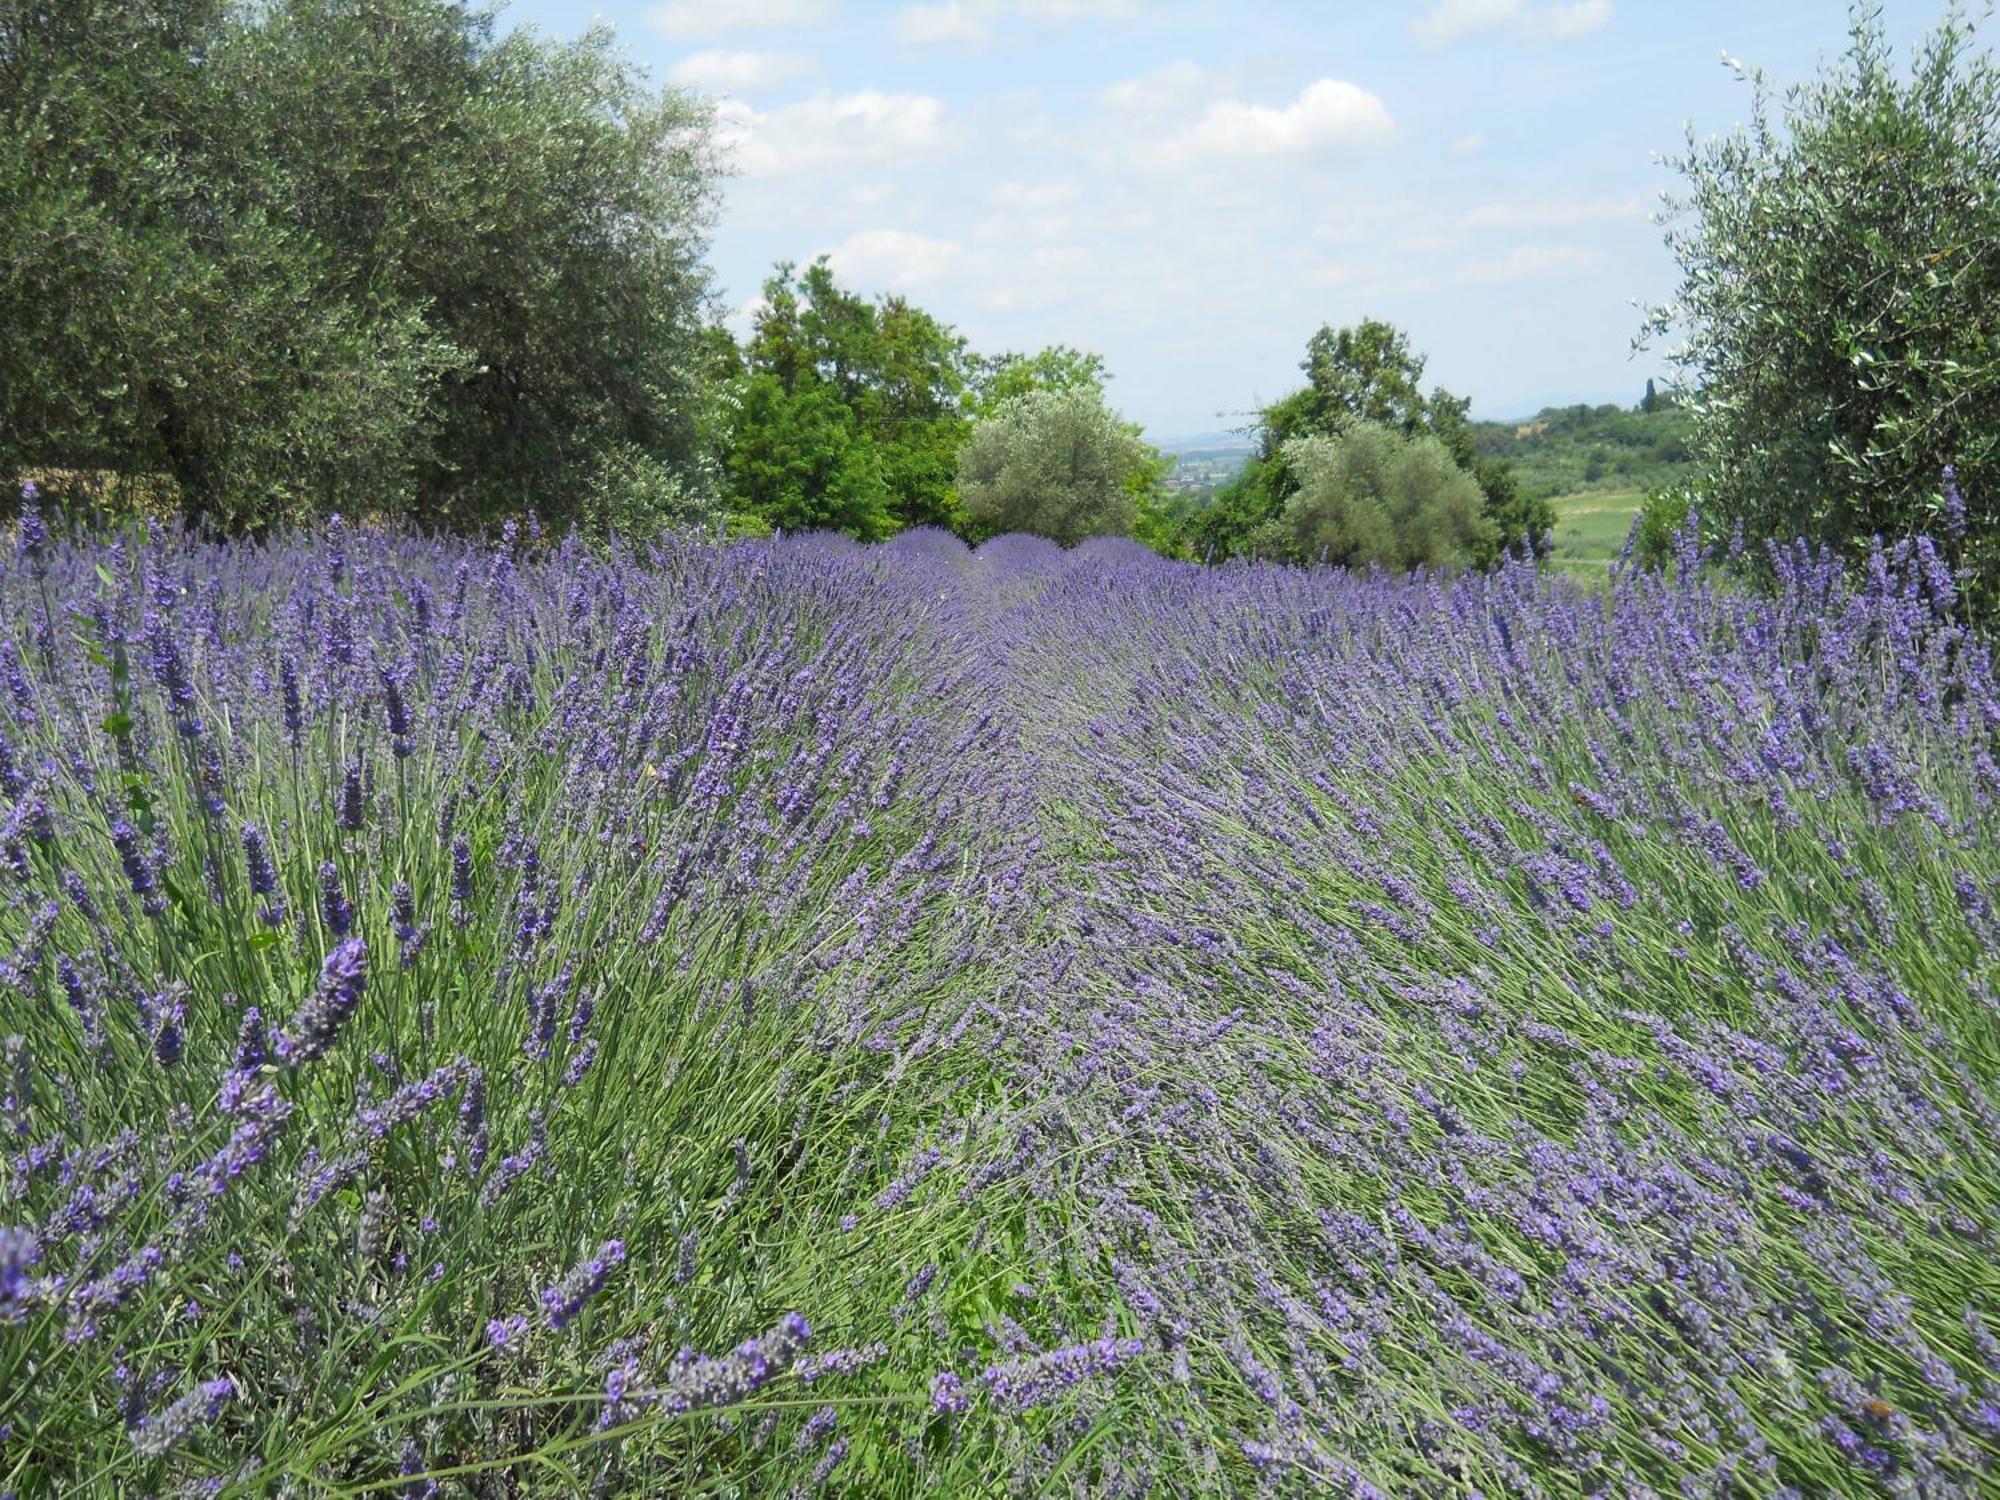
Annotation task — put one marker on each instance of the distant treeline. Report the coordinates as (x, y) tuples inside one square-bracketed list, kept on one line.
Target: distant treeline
[(1564, 449)]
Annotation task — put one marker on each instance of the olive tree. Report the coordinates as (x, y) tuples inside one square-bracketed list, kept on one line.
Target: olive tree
[(1838, 319), (365, 254), (1055, 462), (1371, 496)]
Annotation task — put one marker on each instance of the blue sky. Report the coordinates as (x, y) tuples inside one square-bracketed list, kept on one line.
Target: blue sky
[(1191, 187)]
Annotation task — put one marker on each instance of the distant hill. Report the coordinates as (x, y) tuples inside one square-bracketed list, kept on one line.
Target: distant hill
[(1566, 450), (1210, 442)]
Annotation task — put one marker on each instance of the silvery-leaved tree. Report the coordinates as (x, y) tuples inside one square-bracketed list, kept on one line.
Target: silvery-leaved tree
[(1837, 328), (1058, 463)]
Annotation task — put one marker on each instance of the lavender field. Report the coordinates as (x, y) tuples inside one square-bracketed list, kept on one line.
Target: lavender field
[(506, 1018)]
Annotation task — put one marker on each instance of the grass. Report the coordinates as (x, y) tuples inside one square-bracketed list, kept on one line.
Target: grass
[(1590, 531), (1591, 526)]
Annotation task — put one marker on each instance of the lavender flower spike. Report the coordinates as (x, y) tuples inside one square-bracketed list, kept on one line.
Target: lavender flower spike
[(696, 1382), (19, 1249), (159, 1433), (562, 1302), (342, 978)]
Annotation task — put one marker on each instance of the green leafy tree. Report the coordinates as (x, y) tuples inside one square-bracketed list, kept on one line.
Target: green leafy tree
[(900, 376), (1059, 367), (1372, 495), (801, 462), (542, 206), (1058, 463), (1839, 311), (154, 315), (1367, 373)]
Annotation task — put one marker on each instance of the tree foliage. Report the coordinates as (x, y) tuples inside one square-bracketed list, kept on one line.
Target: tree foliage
[(1366, 374), (1000, 378), (1373, 496), (851, 412), (1839, 309), (1058, 463), (345, 253)]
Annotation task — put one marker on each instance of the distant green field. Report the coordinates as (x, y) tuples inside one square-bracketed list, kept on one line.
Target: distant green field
[(1591, 527)]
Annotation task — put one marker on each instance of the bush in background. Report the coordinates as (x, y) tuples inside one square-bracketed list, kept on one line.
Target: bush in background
[(1057, 463), (1371, 497), (1367, 373)]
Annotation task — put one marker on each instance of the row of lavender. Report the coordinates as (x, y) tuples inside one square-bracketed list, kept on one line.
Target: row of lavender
[(472, 1011), (512, 1019), (1521, 1043)]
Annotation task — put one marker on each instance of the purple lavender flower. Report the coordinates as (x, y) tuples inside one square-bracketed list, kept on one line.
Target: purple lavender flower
[(841, 1362), (411, 1464), (139, 872), (263, 876), (816, 1428), (294, 708), (472, 1120), (461, 881), (20, 1251), (516, 1165), (579, 1063), (334, 908), (1027, 1383), (166, 1016), (353, 799), (342, 978), (688, 1260), (695, 1382), (1954, 504), (33, 540), (562, 1302), (836, 1451), (402, 912), (398, 714), (157, 1434), (507, 1332)]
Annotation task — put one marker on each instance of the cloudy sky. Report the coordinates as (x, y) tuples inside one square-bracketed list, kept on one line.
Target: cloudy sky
[(1190, 187)]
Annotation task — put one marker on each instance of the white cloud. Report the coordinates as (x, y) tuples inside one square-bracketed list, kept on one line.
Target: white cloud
[(1061, 11), (700, 19), (1579, 18), (1016, 279), (1566, 213), (894, 260), (1469, 144), (723, 72), (1175, 86), (1036, 197), (1526, 262), (954, 23), (969, 23), (829, 131), (1557, 20), (1330, 117)]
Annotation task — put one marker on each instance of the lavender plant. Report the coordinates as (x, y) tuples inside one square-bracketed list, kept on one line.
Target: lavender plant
[(794, 1017)]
